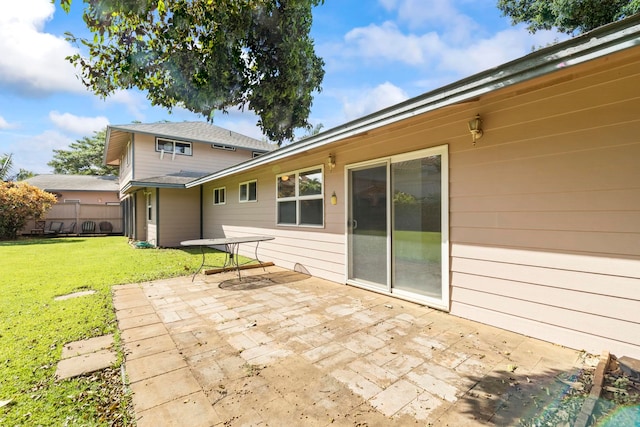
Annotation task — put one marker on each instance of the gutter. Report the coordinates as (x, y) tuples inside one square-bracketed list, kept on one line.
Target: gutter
[(600, 42), (141, 184)]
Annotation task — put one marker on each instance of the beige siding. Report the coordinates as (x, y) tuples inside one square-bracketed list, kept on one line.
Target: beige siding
[(89, 197), (204, 159), (320, 251), (126, 165), (140, 232), (179, 216), (544, 210)]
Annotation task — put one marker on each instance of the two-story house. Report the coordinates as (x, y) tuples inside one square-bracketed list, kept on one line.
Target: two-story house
[(156, 161)]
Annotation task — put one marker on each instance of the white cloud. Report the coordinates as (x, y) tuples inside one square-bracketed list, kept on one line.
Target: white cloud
[(134, 102), (31, 61), (5, 124), (387, 42), (381, 96), (449, 46), (32, 152), (71, 123), (490, 52)]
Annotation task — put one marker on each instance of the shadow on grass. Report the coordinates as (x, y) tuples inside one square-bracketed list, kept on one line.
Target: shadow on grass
[(40, 241)]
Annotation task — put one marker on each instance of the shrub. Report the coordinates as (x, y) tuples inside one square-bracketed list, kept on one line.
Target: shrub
[(20, 202)]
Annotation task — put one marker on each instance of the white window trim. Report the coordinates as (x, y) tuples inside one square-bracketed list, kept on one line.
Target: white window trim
[(223, 147), (173, 147), (240, 192), (297, 198), (224, 195)]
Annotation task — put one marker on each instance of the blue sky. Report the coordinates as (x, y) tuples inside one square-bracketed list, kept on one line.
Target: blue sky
[(377, 53)]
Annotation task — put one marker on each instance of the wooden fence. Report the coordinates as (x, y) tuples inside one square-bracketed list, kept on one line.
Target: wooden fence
[(78, 213)]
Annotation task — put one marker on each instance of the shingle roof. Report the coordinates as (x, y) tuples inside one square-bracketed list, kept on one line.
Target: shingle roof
[(51, 182), (170, 179), (197, 132)]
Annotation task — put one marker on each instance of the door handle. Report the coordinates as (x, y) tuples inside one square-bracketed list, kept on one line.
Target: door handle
[(354, 224)]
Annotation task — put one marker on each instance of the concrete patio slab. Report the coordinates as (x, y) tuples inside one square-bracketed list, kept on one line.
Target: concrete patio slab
[(283, 348)]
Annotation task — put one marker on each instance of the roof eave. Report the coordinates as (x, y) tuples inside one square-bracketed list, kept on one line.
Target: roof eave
[(608, 39), (143, 184)]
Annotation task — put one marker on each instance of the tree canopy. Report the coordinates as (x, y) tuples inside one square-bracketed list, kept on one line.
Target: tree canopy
[(567, 16), (84, 157), (207, 55)]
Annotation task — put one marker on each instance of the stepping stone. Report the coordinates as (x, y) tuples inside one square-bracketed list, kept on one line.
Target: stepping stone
[(86, 356)]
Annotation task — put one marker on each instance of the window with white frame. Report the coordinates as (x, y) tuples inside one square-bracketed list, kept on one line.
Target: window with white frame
[(219, 196), (171, 146), (300, 198), (248, 191)]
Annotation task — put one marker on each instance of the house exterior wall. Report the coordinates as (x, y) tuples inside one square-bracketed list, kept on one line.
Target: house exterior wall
[(140, 220), (179, 216), (203, 159), (320, 252), (544, 210), (545, 216), (93, 197)]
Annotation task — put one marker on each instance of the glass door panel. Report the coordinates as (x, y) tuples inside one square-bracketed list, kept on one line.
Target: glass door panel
[(368, 226), (417, 226)]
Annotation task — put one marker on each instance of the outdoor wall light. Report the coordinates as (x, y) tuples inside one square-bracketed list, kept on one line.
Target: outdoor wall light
[(475, 127), (334, 199), (331, 162)]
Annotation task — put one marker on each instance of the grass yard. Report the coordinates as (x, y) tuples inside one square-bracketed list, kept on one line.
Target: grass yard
[(417, 245), (34, 327)]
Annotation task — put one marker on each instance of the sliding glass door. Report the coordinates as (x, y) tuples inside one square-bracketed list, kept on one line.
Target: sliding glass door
[(368, 225), (398, 226)]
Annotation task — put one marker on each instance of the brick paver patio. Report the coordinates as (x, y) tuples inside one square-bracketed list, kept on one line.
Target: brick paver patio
[(285, 349)]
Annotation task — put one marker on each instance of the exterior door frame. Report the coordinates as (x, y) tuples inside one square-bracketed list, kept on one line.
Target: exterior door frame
[(444, 302)]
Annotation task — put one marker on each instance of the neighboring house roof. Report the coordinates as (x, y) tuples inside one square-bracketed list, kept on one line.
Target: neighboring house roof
[(119, 135), (598, 43), (51, 182)]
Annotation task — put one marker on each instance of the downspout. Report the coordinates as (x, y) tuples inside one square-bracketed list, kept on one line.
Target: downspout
[(158, 217)]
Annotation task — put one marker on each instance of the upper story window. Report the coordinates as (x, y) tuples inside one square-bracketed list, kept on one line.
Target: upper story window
[(248, 191), (219, 196), (300, 198), (173, 147), (223, 147)]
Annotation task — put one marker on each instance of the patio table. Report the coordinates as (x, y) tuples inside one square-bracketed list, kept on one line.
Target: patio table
[(232, 246)]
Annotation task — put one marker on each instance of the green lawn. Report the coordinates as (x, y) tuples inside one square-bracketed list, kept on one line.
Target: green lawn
[(34, 327), (417, 245)]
